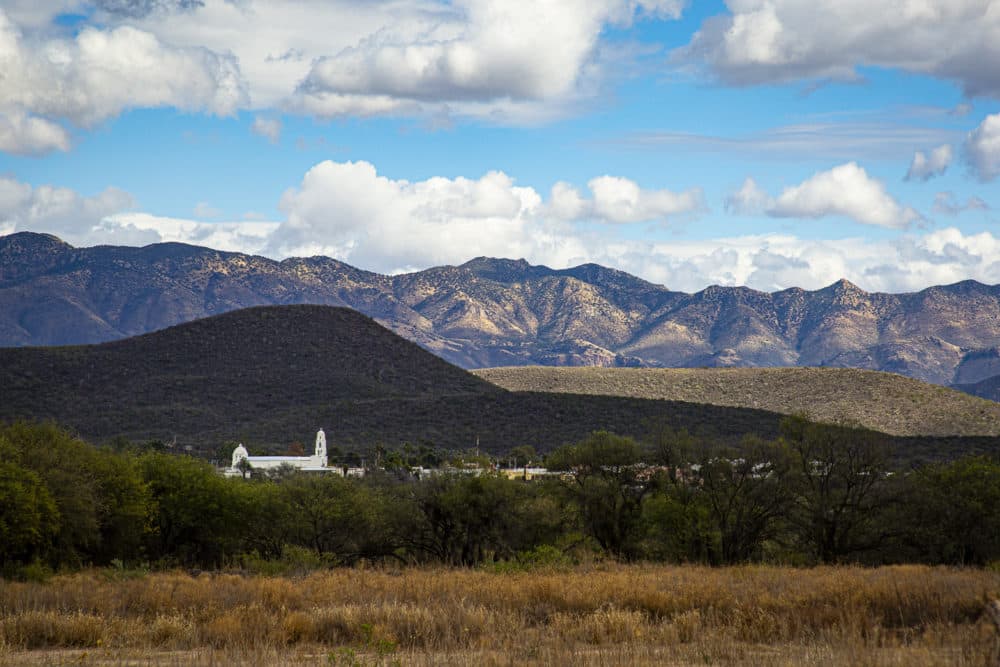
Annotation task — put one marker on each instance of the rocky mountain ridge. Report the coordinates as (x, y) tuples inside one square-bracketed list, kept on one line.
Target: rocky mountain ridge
[(500, 312)]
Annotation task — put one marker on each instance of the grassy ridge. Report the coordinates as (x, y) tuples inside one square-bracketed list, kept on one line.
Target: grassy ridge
[(880, 401), (598, 614)]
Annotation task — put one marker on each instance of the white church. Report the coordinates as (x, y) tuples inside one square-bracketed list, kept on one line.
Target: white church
[(315, 463)]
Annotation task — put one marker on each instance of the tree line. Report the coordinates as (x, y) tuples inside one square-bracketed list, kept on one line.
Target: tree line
[(817, 494)]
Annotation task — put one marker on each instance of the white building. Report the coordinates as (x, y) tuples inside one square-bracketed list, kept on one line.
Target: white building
[(315, 463)]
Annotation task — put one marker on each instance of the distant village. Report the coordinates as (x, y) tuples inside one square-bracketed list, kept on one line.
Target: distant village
[(244, 465)]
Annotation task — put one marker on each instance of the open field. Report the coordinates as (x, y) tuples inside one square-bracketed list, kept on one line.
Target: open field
[(880, 401), (598, 614)]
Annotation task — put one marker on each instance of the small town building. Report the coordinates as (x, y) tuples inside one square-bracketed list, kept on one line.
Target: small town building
[(243, 464)]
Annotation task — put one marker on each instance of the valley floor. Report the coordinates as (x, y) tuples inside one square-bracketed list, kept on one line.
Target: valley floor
[(590, 615)]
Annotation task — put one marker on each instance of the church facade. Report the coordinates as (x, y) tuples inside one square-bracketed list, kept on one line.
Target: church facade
[(243, 464)]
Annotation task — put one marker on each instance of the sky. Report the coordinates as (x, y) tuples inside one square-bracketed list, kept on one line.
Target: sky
[(767, 143)]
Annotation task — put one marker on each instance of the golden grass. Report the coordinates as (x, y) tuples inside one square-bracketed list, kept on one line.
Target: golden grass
[(602, 615), (881, 401)]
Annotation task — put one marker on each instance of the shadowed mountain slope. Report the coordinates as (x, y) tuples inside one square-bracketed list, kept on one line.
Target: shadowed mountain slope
[(879, 401), (988, 388), (499, 312), (271, 375)]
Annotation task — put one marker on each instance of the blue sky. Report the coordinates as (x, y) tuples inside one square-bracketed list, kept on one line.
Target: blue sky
[(773, 143)]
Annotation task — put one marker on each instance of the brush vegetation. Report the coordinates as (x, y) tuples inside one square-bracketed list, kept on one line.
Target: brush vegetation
[(816, 494), (598, 614), (879, 401)]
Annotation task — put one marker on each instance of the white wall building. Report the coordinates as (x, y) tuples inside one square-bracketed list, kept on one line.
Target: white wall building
[(315, 463)]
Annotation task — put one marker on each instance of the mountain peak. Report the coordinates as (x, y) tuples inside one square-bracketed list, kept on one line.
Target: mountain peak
[(505, 270), (843, 286), (32, 239), (24, 255)]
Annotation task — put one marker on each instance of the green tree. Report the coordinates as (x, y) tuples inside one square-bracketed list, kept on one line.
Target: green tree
[(29, 519), (343, 520), (747, 496), (65, 465), (840, 487), (608, 484), (523, 455), (125, 507), (468, 519), (199, 517), (951, 512), (677, 525)]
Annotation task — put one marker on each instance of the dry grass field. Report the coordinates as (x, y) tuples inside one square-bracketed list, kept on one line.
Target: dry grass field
[(592, 615), (881, 401)]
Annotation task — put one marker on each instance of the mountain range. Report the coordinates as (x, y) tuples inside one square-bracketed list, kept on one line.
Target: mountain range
[(500, 312)]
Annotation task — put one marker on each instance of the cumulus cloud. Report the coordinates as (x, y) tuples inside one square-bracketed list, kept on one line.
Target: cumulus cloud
[(945, 203), (776, 261), (924, 167), (57, 210), (749, 199), (22, 134), (507, 62), (98, 74), (846, 190), (621, 200), (473, 51), (270, 128), (137, 228), (108, 218), (349, 211), (765, 41), (982, 149)]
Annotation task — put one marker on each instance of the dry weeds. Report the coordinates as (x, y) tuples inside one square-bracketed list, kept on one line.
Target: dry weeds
[(600, 615)]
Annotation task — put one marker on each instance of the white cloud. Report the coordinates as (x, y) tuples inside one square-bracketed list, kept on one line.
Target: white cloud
[(349, 211), (501, 60), (566, 202), (749, 199), (924, 167), (205, 210), (243, 236), (98, 74), (107, 218), (267, 127), (846, 190), (763, 41), (982, 149), (945, 203), (776, 261), (471, 51), (621, 200), (22, 134), (57, 210)]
